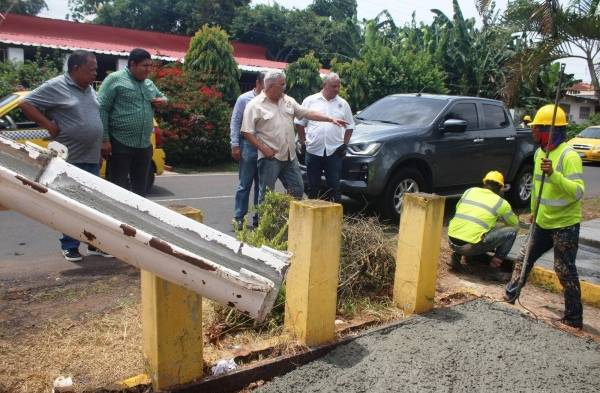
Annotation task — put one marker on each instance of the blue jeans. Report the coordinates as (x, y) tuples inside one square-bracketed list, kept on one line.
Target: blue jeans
[(67, 242), (332, 165), (271, 169), (248, 173)]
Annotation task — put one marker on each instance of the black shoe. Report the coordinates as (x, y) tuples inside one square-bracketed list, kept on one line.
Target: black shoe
[(94, 251), (238, 224), (72, 255), (454, 263), (570, 324), (255, 222)]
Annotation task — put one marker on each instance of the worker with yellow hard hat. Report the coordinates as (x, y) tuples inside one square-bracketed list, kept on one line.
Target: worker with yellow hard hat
[(559, 214), (474, 231), (526, 121)]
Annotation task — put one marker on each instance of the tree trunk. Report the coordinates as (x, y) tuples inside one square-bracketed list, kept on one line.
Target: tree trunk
[(593, 75)]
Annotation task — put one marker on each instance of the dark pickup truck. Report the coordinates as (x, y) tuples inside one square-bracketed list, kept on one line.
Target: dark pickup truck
[(434, 143)]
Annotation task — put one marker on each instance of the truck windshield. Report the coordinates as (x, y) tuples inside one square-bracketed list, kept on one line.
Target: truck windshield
[(403, 110), (590, 132)]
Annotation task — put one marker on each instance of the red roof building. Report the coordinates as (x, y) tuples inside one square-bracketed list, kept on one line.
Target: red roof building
[(31, 31)]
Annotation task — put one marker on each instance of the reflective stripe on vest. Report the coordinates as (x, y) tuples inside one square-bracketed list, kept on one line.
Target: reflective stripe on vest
[(492, 210), (474, 220), (559, 168)]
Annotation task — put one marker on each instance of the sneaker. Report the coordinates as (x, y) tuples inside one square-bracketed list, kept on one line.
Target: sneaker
[(72, 255), (94, 251)]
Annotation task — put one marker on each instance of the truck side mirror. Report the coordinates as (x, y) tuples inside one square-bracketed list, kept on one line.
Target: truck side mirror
[(454, 125)]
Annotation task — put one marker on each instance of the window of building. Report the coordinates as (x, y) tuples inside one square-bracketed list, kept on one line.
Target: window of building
[(495, 117), (584, 112)]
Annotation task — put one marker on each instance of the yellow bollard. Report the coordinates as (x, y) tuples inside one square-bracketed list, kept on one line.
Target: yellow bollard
[(314, 238), (418, 252), (172, 327)]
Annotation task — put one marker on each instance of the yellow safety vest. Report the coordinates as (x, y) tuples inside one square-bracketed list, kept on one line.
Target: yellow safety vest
[(477, 213), (560, 205)]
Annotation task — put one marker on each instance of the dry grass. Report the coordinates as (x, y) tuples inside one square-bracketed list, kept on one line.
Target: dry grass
[(94, 351), (367, 258)]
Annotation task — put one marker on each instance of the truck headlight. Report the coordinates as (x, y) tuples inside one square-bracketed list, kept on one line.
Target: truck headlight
[(596, 148), (364, 149)]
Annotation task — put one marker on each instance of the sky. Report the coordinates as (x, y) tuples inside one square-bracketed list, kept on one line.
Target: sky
[(401, 11)]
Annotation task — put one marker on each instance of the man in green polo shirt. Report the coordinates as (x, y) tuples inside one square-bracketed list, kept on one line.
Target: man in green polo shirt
[(127, 99)]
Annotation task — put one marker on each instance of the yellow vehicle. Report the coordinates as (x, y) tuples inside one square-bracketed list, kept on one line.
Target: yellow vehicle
[(23, 131), (587, 144)]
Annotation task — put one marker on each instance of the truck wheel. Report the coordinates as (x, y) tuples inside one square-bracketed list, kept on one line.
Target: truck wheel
[(405, 180), (522, 186)]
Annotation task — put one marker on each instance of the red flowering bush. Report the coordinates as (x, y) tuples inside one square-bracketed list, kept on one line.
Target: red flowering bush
[(195, 122)]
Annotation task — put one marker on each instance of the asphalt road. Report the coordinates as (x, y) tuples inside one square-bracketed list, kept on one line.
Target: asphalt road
[(22, 239)]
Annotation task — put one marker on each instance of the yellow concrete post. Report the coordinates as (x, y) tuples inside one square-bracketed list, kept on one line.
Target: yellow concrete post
[(314, 238), (418, 252), (172, 327)]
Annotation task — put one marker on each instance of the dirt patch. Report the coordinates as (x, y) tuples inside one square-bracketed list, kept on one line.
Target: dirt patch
[(476, 346)]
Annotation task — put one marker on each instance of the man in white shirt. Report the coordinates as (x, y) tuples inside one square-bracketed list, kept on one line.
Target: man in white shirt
[(325, 142)]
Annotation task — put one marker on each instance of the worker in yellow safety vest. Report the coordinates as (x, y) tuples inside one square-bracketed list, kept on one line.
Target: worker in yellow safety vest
[(557, 222), (474, 231), (526, 121)]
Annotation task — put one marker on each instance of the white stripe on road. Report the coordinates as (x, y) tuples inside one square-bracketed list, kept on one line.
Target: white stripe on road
[(194, 199), (174, 174)]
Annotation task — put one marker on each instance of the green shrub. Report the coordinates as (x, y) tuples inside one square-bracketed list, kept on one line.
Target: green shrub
[(210, 61), (29, 74), (195, 123), (303, 77)]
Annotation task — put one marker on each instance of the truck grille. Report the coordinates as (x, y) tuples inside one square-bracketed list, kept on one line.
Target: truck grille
[(582, 147)]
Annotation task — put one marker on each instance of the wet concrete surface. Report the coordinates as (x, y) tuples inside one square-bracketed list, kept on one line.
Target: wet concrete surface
[(474, 347)]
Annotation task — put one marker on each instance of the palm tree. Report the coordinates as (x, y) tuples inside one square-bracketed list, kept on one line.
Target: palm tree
[(555, 31)]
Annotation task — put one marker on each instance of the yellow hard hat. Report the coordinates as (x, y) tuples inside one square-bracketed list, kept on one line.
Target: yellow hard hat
[(494, 176), (526, 118), (543, 117)]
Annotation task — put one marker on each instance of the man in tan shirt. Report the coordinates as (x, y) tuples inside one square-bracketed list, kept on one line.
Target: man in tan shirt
[(269, 125)]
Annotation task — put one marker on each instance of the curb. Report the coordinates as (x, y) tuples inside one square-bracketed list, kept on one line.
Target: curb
[(547, 279)]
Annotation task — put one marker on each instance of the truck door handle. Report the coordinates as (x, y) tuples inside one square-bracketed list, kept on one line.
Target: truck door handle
[(510, 138), (478, 140)]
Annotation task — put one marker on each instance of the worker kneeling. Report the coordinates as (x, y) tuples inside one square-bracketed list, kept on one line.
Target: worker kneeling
[(474, 230)]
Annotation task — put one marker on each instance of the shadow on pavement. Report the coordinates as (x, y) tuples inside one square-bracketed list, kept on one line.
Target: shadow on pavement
[(99, 266)]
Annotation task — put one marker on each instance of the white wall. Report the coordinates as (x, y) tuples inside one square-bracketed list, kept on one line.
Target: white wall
[(16, 55), (575, 105)]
